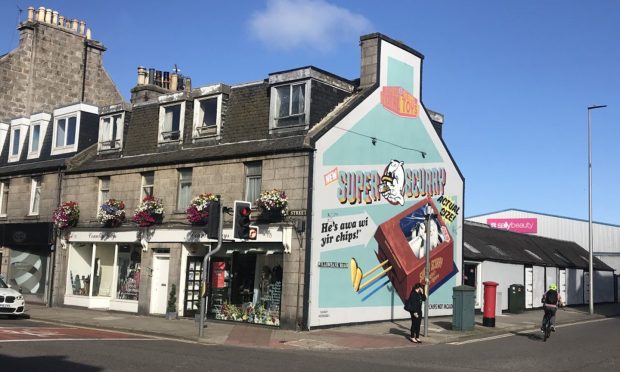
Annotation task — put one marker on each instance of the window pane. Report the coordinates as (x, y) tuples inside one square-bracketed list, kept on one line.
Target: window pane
[(71, 130), (36, 197), (36, 131), (283, 101), (60, 133), (298, 99), (128, 263), (15, 142), (252, 189), (147, 183), (105, 129), (209, 112), (172, 119), (185, 188), (5, 197), (116, 127)]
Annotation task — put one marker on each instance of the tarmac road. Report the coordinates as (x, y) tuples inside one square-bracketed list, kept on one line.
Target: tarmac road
[(590, 345)]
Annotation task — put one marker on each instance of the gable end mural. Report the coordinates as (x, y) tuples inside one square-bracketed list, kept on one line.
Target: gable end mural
[(377, 173)]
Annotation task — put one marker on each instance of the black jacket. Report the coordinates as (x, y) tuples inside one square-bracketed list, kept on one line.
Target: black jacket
[(415, 302)]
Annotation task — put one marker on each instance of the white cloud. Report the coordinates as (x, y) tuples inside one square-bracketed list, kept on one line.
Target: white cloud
[(317, 24)]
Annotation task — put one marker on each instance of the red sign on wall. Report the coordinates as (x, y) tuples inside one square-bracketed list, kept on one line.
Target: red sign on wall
[(520, 225), (399, 101)]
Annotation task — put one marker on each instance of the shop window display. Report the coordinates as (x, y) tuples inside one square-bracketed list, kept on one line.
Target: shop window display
[(247, 288), (129, 266), (79, 269)]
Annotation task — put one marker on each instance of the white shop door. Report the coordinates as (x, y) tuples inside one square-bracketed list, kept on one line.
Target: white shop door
[(159, 284), (529, 287), (562, 286)]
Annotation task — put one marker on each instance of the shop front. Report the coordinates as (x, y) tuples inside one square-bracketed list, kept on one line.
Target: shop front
[(117, 270), (29, 252)]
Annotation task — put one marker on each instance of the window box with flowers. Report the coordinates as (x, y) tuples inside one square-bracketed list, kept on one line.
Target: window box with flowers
[(67, 215), (198, 211), (111, 213), (150, 212), (273, 205)]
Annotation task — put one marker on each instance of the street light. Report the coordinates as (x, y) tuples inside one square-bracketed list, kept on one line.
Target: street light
[(428, 215), (591, 277)]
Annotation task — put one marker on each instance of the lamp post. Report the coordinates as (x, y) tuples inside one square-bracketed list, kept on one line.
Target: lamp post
[(428, 214), (591, 276)]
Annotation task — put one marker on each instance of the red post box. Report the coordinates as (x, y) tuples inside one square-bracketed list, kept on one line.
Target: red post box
[(488, 315)]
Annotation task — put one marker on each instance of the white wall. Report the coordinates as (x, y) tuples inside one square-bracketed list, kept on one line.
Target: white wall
[(574, 286), (606, 237), (503, 274)]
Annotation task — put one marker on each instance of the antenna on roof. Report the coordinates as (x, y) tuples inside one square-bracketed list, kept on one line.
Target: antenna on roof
[(176, 70)]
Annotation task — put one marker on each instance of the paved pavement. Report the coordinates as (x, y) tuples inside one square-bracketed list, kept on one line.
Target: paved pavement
[(377, 335)]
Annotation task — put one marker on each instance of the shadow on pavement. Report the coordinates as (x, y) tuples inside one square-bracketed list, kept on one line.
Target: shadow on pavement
[(535, 336), (445, 325), (400, 332), (43, 363)]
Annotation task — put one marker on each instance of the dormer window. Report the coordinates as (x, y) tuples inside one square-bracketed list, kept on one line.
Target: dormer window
[(67, 127), (171, 120), (290, 104), (4, 129), (38, 127), (207, 116), (19, 129), (111, 132)]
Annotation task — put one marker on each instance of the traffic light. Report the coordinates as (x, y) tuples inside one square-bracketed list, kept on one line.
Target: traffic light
[(241, 220), (213, 224)]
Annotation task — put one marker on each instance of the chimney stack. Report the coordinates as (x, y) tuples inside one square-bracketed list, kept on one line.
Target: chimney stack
[(370, 48)]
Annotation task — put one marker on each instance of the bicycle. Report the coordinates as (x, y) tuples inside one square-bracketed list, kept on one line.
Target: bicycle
[(546, 326)]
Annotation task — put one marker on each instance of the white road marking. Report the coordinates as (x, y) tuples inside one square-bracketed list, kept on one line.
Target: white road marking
[(83, 339), (522, 332)]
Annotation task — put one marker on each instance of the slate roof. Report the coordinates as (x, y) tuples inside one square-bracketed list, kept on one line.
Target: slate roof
[(89, 124), (481, 242), (244, 130)]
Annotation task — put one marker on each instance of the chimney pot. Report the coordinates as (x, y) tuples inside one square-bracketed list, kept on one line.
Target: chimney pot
[(61, 21), (48, 15), (41, 14), (174, 81), (55, 18), (188, 84), (74, 25), (88, 34), (141, 75), (30, 13), (82, 27)]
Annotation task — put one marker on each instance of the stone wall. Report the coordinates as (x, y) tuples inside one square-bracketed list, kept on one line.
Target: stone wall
[(46, 71)]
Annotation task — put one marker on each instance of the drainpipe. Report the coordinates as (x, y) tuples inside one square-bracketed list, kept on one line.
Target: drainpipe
[(50, 298), (204, 300), (84, 61)]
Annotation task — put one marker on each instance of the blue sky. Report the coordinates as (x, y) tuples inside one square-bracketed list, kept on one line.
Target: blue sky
[(513, 78)]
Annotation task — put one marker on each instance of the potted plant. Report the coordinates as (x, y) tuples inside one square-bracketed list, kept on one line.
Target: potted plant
[(273, 205), (149, 212), (171, 309), (111, 213), (198, 211), (67, 215)]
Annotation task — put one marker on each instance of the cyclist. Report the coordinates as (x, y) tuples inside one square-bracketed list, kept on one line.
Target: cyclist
[(551, 300)]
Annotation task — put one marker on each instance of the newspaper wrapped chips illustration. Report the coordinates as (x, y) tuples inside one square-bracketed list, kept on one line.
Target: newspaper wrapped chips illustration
[(401, 242)]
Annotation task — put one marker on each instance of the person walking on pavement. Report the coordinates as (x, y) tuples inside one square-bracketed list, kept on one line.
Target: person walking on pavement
[(414, 306), (551, 300)]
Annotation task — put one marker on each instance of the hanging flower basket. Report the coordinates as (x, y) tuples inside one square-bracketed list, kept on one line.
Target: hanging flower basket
[(149, 212), (67, 215), (273, 205), (111, 213), (198, 211)]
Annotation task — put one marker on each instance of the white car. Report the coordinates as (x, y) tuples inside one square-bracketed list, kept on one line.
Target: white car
[(11, 301)]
